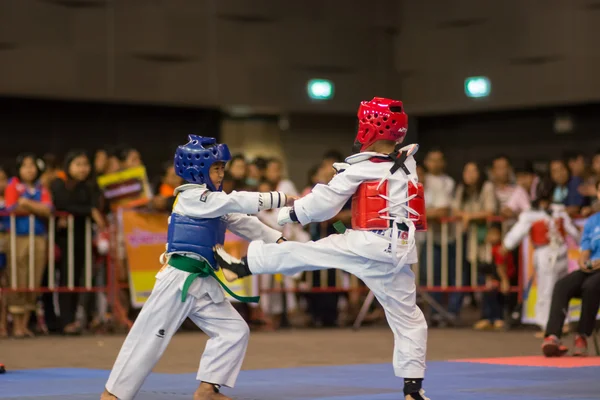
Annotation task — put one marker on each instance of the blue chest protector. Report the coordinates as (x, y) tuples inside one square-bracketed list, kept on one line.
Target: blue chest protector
[(195, 235)]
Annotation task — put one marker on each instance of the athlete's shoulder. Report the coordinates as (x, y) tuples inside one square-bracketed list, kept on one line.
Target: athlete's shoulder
[(191, 192)]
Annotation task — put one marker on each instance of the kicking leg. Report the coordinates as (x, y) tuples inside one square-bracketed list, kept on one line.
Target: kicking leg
[(393, 286), (225, 350), (160, 318), (288, 258)]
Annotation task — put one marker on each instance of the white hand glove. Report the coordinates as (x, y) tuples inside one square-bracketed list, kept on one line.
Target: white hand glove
[(340, 167), (283, 217)]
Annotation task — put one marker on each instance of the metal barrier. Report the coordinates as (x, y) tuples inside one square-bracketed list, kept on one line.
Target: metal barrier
[(67, 283), (32, 286), (459, 234)]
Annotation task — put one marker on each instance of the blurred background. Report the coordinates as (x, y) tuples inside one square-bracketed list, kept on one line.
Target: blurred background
[(500, 95)]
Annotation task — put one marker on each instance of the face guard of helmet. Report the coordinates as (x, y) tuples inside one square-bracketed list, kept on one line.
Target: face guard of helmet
[(380, 119), (194, 159)]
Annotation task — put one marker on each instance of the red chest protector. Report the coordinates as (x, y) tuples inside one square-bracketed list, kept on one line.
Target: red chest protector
[(367, 202), (539, 231)]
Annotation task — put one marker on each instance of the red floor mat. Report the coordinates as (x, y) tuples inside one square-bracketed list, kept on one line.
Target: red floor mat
[(538, 361)]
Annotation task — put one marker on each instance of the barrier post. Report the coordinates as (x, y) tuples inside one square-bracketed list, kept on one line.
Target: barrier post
[(13, 252), (444, 243), (429, 251), (51, 255), (70, 253), (31, 283), (459, 253), (88, 253)]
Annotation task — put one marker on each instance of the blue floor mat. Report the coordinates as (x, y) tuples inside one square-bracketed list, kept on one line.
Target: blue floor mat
[(445, 381)]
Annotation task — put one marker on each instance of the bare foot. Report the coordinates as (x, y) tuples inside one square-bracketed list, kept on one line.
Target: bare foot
[(106, 395), (230, 276), (206, 391)]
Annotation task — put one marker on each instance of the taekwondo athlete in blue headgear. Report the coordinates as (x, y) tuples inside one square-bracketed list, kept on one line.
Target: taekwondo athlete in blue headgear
[(187, 286)]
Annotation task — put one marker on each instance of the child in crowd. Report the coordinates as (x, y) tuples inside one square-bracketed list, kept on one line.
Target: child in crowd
[(498, 268)]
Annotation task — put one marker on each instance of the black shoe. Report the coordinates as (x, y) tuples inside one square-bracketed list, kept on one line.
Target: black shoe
[(230, 263)]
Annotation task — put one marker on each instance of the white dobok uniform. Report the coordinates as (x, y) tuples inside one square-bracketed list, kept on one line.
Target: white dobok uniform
[(206, 305), (380, 258), (547, 232)]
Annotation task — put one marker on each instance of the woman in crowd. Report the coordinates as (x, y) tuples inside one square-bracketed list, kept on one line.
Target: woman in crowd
[(76, 195), (274, 174), (100, 162), (25, 195), (255, 172), (474, 201), (237, 170), (583, 283), (566, 189)]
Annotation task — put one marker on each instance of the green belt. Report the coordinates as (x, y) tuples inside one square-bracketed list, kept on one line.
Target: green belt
[(201, 269), (339, 227)]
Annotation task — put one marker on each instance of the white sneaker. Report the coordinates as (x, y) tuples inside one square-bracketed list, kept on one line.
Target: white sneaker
[(421, 396)]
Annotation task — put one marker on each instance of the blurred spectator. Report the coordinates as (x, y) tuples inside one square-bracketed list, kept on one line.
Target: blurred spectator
[(589, 188), (237, 170), (421, 172), (583, 283), (512, 199), (129, 158), (547, 226), (475, 199), (565, 187), (474, 202), (326, 171), (50, 170), (75, 195), (497, 268), (332, 156), (123, 157), (100, 162), (313, 179), (165, 196), (256, 172), (3, 250), (576, 163), (438, 200), (228, 183), (24, 194), (274, 174), (528, 180)]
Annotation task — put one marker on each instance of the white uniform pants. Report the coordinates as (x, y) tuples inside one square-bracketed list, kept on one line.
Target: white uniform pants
[(160, 318), (550, 266), (394, 288)]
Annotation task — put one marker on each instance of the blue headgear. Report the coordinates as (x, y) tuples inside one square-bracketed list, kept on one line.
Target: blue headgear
[(193, 159)]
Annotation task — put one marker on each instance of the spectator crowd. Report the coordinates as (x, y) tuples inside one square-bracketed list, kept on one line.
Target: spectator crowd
[(40, 186)]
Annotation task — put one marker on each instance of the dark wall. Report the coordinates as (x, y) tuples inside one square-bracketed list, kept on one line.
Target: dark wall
[(56, 127), (526, 135)]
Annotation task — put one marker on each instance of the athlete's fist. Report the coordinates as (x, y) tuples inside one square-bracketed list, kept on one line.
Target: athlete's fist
[(290, 200), (283, 217)]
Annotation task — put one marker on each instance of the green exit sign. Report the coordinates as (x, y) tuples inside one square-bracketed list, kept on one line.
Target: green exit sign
[(320, 89), (477, 86)]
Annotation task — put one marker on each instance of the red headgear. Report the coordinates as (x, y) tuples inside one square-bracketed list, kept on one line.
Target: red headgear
[(380, 119)]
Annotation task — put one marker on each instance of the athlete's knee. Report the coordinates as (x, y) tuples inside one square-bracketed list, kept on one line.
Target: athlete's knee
[(240, 332)]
